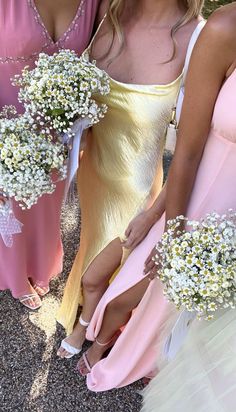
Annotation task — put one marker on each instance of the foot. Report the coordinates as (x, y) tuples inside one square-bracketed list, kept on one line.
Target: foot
[(31, 300), (92, 356), (41, 290), (75, 340), (146, 381)]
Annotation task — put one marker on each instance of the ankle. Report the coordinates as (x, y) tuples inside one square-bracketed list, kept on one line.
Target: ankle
[(103, 342), (80, 327), (83, 322), (79, 331)]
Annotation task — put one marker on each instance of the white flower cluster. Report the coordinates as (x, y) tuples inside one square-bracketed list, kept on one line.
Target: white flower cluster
[(27, 160), (61, 89), (198, 266)]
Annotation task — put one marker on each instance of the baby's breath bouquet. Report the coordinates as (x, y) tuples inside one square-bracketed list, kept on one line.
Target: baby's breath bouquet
[(60, 89), (27, 160), (60, 95), (198, 266)]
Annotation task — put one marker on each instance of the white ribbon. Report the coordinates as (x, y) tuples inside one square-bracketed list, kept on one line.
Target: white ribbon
[(9, 225), (178, 334), (73, 162)]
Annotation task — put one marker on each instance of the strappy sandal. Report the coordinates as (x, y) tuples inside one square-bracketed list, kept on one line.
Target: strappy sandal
[(72, 351), (30, 297), (89, 367), (41, 291), (87, 364)]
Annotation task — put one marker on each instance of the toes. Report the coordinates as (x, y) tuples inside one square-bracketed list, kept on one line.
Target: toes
[(84, 371), (36, 301), (65, 353), (81, 365), (62, 353), (32, 302), (41, 290)]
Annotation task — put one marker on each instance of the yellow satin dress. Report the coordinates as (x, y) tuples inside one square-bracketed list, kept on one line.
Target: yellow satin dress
[(120, 173)]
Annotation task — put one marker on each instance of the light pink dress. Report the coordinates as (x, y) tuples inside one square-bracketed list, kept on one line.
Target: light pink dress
[(135, 353), (37, 252)]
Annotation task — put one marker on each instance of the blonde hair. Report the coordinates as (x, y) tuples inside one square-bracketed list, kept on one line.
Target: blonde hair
[(116, 8)]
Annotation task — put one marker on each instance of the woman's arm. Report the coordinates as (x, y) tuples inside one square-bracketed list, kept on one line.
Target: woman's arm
[(212, 61)]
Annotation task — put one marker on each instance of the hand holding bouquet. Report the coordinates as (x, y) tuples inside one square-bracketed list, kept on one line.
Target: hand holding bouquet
[(27, 160), (198, 270), (198, 267), (61, 89), (59, 95)]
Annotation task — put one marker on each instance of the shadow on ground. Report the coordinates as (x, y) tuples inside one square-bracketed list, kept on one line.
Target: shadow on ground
[(32, 378)]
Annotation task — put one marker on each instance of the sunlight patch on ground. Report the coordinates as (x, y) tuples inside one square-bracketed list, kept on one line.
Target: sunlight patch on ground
[(45, 317)]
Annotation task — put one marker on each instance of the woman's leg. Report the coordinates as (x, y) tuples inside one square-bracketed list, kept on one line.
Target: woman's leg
[(117, 314), (94, 282)]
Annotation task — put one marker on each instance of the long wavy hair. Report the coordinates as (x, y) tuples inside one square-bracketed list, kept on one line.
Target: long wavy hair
[(116, 8)]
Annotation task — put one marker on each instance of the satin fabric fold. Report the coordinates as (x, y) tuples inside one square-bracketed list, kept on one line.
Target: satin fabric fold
[(120, 173)]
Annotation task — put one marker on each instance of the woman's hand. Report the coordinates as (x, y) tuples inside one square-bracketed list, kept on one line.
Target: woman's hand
[(150, 266), (3, 199), (141, 224), (138, 229)]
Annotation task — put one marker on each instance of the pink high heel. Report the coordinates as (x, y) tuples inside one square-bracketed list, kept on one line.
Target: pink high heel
[(84, 357)]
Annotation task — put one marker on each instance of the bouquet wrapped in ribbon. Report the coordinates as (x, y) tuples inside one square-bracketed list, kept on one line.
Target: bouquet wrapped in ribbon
[(27, 161), (59, 95), (198, 267)]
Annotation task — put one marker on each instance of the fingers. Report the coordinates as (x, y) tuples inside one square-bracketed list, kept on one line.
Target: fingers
[(129, 243), (126, 241), (132, 239), (2, 200), (152, 275), (128, 230), (136, 242), (149, 259), (149, 267)]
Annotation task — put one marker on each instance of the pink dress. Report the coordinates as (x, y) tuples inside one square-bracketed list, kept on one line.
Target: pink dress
[(37, 252), (135, 352)]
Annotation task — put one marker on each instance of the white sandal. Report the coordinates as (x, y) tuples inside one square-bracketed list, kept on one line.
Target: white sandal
[(31, 296), (69, 348), (41, 291)]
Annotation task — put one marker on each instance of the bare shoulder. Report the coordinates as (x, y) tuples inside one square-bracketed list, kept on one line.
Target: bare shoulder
[(217, 41), (222, 25), (184, 34)]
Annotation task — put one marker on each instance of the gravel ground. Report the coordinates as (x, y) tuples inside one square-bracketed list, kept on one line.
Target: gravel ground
[(32, 378)]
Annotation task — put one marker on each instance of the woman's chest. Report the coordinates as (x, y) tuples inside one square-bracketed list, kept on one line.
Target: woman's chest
[(145, 57), (24, 33), (20, 33), (57, 16)]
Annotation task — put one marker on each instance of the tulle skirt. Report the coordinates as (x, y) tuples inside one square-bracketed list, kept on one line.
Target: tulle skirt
[(202, 377)]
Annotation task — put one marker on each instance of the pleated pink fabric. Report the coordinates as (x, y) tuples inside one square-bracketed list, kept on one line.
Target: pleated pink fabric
[(37, 252), (134, 354)]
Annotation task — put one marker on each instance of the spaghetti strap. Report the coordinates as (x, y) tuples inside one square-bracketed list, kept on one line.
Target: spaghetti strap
[(88, 49)]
